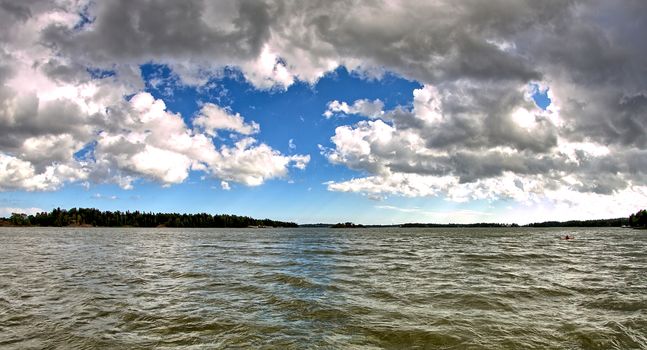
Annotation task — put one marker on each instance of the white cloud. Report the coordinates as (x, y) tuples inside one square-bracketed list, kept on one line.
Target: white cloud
[(16, 174), (427, 104), (442, 217), (225, 185), (156, 144), (404, 210), (253, 164), (49, 148), (213, 118), (268, 71), (524, 118), (150, 142), (7, 211), (164, 165), (101, 196), (565, 205), (409, 185), (367, 108), (412, 153)]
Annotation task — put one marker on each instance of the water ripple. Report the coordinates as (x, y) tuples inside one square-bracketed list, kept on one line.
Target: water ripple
[(308, 288)]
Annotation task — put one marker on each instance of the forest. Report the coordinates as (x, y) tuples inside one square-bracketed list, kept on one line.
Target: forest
[(617, 222), (639, 219), (94, 217), (480, 224)]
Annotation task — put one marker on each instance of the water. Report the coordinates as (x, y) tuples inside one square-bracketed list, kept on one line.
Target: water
[(323, 288)]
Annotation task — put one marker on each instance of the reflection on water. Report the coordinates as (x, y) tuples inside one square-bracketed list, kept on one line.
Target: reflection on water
[(305, 288)]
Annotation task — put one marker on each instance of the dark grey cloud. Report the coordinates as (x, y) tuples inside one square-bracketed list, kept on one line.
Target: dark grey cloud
[(427, 41), (164, 31), (482, 119), (17, 10), (596, 63), (470, 166), (430, 42)]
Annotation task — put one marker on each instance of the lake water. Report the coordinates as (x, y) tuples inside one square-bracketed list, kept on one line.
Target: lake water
[(308, 288)]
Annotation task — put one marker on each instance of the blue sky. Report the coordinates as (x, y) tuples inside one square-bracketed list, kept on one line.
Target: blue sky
[(378, 114)]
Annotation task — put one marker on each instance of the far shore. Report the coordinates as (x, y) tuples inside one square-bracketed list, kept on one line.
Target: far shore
[(90, 217)]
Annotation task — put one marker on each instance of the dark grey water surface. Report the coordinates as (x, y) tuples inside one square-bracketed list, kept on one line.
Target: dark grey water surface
[(308, 288)]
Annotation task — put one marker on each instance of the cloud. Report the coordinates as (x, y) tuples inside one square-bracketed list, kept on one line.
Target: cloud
[(268, 71), (17, 174), (252, 164), (225, 185), (454, 216), (55, 104), (372, 109), (213, 118), (101, 196), (465, 152), (156, 144), (6, 212), (275, 43), (147, 141), (471, 127)]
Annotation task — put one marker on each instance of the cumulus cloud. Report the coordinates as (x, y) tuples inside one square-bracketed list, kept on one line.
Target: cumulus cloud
[(252, 164), (213, 118), (372, 109), (157, 144), (17, 174), (466, 152), (267, 71)]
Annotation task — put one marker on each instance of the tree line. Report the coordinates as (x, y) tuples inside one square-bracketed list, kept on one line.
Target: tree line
[(617, 222), (94, 217), (639, 219), (475, 225)]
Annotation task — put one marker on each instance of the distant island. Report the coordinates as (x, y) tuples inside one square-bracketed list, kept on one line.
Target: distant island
[(617, 222), (637, 220), (480, 224), (346, 225), (90, 217)]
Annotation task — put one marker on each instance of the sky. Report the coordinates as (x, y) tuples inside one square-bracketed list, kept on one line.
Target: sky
[(375, 112)]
